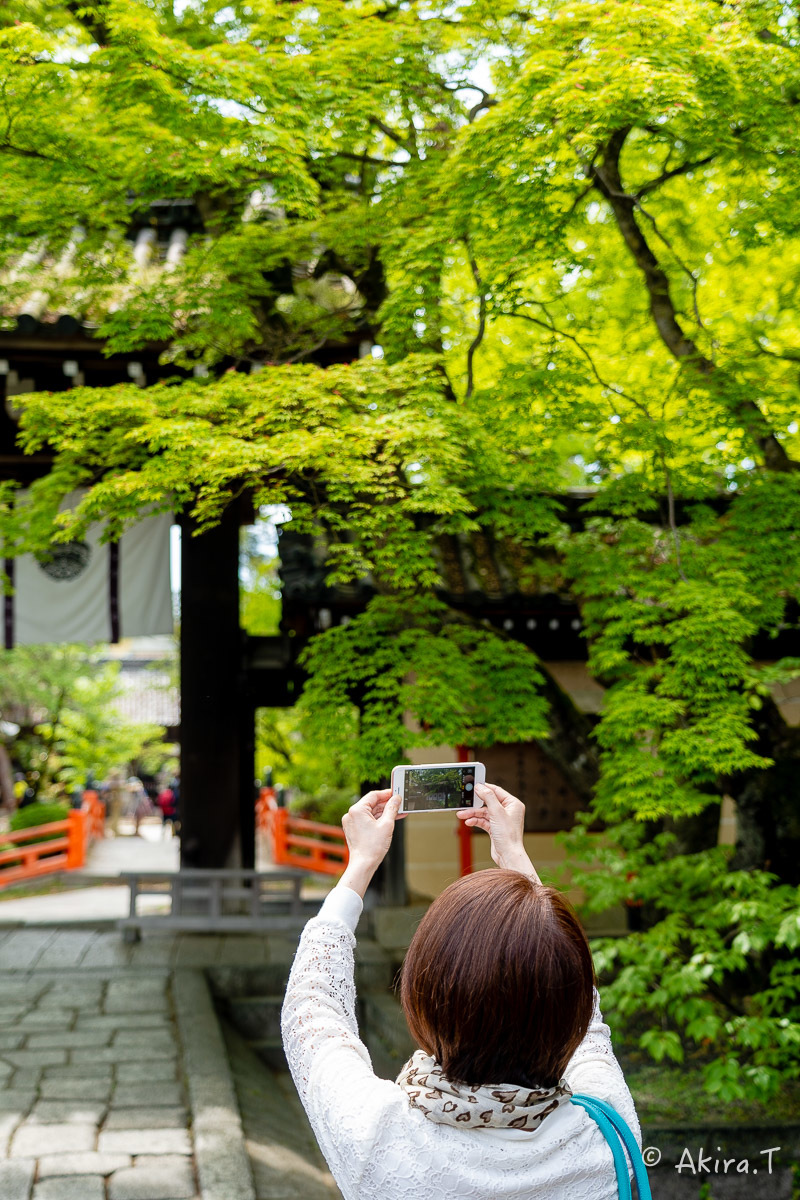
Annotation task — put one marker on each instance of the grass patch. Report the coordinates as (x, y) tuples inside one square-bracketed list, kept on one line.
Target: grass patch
[(48, 886), (675, 1094)]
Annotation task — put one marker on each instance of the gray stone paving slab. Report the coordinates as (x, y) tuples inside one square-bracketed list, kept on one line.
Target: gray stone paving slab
[(33, 1141), (52, 1057), (69, 947), (77, 998), (155, 1072), (47, 1018), (67, 1112), (9, 1120), (139, 1053), (154, 952), (24, 1080), (23, 948), (68, 1039), (137, 1095), (143, 1037), (10, 1041), (16, 1179), (147, 1118), (11, 1013), (88, 1163), (166, 1177), (112, 1022), (90, 1088), (71, 1187), (17, 1098), (73, 1070), (20, 989), (144, 1141), (108, 950), (136, 995)]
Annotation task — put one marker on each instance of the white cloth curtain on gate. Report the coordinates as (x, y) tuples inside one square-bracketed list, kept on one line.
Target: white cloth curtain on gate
[(93, 592)]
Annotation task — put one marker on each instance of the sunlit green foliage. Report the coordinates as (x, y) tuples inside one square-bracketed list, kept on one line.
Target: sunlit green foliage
[(574, 230), (62, 699)]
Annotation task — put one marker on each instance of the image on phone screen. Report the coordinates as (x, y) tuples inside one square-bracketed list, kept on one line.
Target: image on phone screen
[(439, 787)]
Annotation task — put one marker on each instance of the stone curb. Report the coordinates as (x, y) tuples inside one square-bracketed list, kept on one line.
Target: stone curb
[(223, 1167)]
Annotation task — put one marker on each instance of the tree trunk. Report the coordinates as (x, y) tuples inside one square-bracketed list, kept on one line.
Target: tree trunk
[(571, 745), (7, 799), (768, 801)]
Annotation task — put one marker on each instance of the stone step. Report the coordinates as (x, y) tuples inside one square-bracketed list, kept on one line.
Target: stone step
[(270, 1051), (284, 1157), (255, 1017), (375, 970), (384, 1030)]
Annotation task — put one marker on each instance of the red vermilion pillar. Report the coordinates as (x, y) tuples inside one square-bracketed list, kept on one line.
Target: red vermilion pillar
[(464, 832)]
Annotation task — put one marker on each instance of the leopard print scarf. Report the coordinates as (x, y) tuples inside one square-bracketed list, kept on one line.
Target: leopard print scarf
[(481, 1107)]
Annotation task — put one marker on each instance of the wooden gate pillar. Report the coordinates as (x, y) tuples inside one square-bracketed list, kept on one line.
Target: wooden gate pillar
[(217, 826)]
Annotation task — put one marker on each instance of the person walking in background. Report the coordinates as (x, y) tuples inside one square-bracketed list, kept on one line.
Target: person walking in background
[(166, 803), (116, 801), (139, 805)]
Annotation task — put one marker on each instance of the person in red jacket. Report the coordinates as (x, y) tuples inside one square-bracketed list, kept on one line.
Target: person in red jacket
[(166, 802)]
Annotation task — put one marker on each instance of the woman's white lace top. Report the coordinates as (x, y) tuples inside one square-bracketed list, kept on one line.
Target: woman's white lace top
[(379, 1148)]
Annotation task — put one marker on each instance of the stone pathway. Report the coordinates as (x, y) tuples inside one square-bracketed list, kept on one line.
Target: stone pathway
[(114, 1079), (285, 1160), (93, 1102)]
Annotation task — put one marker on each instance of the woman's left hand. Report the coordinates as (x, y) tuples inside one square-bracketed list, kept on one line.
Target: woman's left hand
[(368, 827)]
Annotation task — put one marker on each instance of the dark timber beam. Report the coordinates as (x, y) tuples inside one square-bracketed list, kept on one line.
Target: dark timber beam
[(215, 772)]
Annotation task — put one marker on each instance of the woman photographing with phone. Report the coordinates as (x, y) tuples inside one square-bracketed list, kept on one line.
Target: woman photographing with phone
[(498, 992)]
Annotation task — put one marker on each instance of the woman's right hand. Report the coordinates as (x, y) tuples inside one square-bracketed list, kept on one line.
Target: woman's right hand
[(503, 818)]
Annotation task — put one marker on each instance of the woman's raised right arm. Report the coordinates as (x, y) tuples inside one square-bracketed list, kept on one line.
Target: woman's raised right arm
[(503, 818)]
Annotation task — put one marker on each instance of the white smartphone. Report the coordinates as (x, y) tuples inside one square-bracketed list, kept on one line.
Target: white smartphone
[(435, 787)]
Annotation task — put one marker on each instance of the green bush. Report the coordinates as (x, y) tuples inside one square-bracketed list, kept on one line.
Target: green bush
[(328, 805), (38, 814)]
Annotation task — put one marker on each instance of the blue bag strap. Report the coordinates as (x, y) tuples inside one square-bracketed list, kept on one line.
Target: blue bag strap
[(617, 1131), (614, 1143), (630, 1143)]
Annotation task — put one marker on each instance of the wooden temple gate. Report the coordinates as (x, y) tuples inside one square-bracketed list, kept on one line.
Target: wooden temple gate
[(226, 675)]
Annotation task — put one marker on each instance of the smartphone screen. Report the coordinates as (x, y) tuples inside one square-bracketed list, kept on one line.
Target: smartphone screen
[(428, 788)]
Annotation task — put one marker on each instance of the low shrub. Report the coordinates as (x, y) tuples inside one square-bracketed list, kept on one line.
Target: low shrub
[(38, 814)]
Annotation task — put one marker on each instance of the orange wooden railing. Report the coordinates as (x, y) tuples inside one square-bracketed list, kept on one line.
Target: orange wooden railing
[(66, 847), (296, 842)]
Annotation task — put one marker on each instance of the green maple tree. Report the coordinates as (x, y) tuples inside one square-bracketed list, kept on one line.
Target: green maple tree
[(572, 230)]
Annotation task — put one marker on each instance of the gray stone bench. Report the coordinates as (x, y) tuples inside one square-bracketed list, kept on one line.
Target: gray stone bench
[(224, 901)]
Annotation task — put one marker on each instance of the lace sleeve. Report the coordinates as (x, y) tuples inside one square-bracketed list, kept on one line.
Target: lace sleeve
[(346, 1103), (320, 1002), (594, 1071)]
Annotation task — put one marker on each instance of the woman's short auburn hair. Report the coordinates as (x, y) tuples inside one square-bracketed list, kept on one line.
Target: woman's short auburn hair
[(498, 981)]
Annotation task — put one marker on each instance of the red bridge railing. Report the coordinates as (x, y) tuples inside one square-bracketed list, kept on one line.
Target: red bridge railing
[(65, 848), (296, 842)]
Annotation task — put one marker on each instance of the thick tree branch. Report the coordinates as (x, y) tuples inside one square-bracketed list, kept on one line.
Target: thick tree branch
[(486, 102), (392, 134), (606, 176), (683, 169), (476, 341), (24, 152)]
